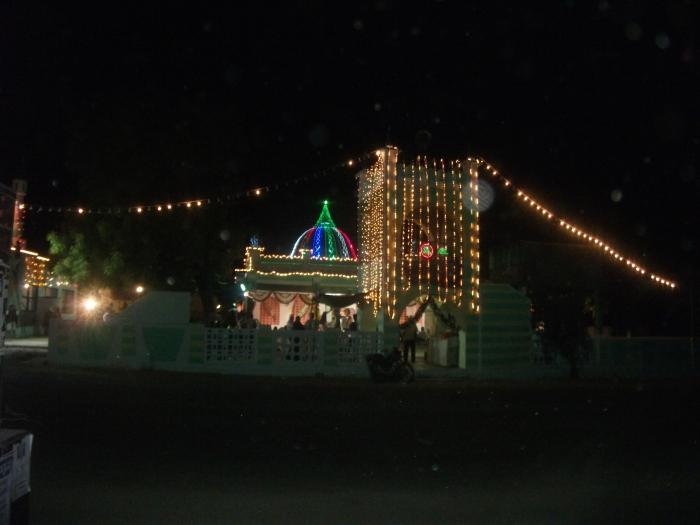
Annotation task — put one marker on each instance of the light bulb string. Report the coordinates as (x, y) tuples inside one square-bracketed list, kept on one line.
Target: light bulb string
[(359, 162), (594, 240), (193, 204)]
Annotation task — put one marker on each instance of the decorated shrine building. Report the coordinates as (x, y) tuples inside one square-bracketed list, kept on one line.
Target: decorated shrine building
[(418, 222)]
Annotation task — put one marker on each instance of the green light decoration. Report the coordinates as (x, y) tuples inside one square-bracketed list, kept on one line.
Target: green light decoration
[(443, 251), (325, 239), (426, 250)]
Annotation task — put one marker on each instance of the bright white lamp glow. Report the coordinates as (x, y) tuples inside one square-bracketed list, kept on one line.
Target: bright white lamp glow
[(90, 303), (139, 289)]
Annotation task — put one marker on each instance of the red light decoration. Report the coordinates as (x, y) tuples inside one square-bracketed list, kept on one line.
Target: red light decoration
[(426, 250)]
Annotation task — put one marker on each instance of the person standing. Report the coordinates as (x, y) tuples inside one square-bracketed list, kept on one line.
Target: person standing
[(11, 321), (345, 320), (312, 323), (297, 324), (410, 332), (48, 314)]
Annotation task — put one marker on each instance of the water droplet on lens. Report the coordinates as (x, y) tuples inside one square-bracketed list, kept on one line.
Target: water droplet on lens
[(423, 139), (662, 41), (318, 136), (485, 193), (633, 31)]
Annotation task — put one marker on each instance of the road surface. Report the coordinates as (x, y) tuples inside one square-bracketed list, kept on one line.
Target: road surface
[(146, 447)]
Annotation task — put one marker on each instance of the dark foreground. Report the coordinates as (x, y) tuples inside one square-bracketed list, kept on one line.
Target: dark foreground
[(140, 447)]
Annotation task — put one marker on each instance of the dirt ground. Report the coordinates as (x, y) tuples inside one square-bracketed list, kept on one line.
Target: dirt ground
[(152, 447)]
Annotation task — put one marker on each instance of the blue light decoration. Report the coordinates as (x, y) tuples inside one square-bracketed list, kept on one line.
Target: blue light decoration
[(325, 239)]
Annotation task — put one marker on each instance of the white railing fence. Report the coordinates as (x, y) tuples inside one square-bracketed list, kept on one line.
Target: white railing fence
[(196, 348)]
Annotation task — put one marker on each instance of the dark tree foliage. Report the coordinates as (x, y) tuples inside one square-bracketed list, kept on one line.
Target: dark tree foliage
[(188, 250)]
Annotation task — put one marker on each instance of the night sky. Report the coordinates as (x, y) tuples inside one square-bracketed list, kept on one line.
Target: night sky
[(572, 100)]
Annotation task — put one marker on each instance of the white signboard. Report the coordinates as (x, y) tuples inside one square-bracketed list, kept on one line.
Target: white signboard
[(22, 451), (5, 486)]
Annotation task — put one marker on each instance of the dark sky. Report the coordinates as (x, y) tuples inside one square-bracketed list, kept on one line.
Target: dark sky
[(573, 100)]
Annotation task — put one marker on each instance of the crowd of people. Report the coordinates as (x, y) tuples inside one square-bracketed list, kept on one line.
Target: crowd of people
[(347, 321), (411, 335)]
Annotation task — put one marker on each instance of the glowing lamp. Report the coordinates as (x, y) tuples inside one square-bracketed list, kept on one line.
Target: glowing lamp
[(89, 304)]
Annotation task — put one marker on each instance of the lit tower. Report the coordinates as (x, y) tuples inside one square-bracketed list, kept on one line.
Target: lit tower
[(418, 234)]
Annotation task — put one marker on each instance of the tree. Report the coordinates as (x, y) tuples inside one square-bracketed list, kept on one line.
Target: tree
[(187, 250)]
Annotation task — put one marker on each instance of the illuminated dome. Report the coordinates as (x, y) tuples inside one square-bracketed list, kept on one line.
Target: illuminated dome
[(324, 239)]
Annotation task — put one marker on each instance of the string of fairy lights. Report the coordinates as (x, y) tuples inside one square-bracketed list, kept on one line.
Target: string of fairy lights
[(568, 226), (371, 230), (439, 265), (398, 205), (474, 249), (163, 208), (252, 253)]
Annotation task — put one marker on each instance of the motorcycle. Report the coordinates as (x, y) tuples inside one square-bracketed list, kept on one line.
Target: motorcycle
[(388, 368)]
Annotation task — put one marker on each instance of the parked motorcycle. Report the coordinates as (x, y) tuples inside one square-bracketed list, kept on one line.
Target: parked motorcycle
[(388, 368)]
